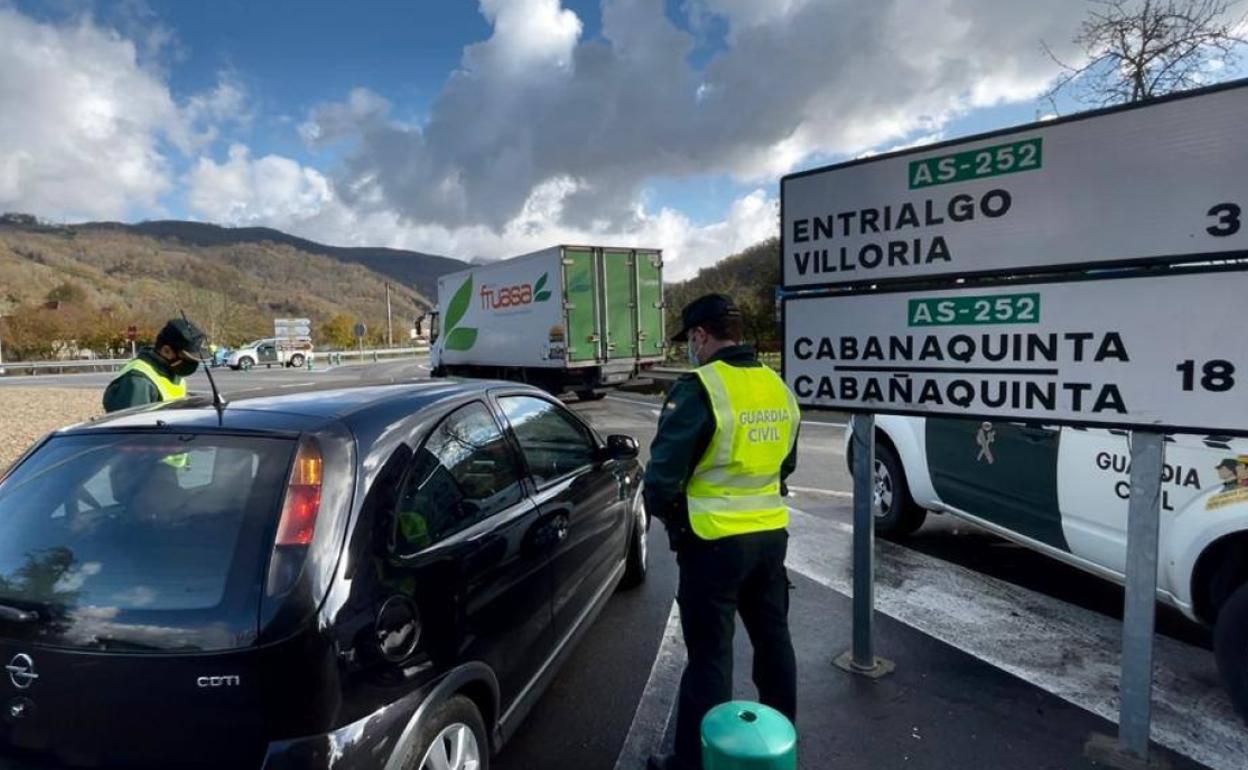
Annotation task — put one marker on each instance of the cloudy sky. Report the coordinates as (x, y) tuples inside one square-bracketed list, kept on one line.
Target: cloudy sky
[(490, 128)]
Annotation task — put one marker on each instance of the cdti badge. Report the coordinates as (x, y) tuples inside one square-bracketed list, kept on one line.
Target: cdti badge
[(22, 671)]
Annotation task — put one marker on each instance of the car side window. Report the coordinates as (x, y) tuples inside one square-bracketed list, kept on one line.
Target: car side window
[(464, 473), (554, 443)]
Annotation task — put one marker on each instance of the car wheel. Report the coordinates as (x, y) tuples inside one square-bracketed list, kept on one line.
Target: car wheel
[(453, 738), (246, 362), (1230, 647), (637, 560), (896, 514), (296, 361)]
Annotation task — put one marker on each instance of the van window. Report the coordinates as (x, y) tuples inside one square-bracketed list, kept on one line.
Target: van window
[(464, 473)]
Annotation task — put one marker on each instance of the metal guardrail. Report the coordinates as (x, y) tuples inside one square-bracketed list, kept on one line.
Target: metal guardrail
[(38, 368)]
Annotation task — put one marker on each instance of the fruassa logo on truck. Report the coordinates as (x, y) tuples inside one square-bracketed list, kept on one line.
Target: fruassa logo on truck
[(518, 295)]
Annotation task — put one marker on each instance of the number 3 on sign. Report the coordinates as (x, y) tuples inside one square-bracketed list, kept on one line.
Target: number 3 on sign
[(1228, 220)]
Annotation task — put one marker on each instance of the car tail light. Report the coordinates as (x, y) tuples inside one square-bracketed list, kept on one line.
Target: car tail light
[(303, 498), (297, 525)]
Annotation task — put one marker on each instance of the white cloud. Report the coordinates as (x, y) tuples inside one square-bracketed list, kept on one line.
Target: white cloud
[(279, 192), (84, 125), (798, 79)]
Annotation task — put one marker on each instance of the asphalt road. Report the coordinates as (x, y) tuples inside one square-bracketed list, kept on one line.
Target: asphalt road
[(993, 616)]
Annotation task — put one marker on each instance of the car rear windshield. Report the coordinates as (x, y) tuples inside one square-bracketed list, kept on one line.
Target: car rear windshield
[(132, 542)]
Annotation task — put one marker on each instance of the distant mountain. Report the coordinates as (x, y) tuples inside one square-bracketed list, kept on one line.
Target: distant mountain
[(750, 277), (415, 269), (234, 282)]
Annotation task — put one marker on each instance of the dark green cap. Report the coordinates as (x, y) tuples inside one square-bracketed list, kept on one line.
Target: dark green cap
[(706, 308), (183, 336)]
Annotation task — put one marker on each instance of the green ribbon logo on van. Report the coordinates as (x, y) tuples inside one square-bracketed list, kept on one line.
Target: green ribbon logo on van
[(540, 292), (460, 337)]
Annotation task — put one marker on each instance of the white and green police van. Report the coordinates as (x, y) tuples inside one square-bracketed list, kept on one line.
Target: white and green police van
[(1064, 492)]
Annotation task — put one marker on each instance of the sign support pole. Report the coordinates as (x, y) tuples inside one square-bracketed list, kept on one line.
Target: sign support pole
[(860, 659), (1140, 609)]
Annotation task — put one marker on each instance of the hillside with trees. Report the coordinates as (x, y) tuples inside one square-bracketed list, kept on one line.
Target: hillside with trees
[(750, 278), (66, 290)]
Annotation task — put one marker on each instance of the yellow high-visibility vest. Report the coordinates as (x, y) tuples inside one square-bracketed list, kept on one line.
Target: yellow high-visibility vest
[(168, 389), (735, 488)]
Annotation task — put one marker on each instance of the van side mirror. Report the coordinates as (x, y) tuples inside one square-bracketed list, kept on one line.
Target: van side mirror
[(621, 447)]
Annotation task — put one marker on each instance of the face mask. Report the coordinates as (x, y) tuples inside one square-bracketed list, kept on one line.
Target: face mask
[(185, 368)]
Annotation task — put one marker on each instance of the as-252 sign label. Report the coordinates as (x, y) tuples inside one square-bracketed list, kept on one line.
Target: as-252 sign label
[(1157, 182), (1163, 352)]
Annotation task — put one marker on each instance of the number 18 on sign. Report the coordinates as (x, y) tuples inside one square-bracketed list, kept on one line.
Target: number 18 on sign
[(1146, 352)]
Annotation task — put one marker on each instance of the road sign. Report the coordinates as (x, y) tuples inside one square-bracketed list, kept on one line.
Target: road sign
[(1128, 185), (360, 330), (1148, 352), (292, 327)]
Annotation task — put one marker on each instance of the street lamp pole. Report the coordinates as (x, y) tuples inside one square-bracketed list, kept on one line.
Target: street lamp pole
[(1, 347)]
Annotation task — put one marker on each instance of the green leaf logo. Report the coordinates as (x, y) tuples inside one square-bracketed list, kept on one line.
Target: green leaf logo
[(459, 305), (461, 339), (538, 294)]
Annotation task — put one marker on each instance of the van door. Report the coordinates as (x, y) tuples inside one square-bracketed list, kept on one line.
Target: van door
[(619, 303), (580, 291), (1002, 472)]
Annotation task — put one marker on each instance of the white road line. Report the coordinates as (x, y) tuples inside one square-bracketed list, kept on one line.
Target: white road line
[(658, 700), (1066, 650), (817, 491), (297, 385)]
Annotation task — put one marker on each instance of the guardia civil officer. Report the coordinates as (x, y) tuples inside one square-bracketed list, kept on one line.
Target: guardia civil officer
[(727, 440), (158, 373)]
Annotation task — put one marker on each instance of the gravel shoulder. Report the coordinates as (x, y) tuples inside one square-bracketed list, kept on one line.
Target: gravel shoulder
[(28, 413)]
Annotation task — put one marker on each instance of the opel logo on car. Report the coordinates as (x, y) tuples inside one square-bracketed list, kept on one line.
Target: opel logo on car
[(21, 671)]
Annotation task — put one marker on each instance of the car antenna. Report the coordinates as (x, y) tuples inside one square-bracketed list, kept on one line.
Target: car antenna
[(218, 401)]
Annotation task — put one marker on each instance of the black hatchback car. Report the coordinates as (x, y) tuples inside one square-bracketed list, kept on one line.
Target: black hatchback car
[(372, 577)]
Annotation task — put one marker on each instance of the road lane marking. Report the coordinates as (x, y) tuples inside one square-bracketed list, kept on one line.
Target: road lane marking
[(1066, 650), (658, 699), (817, 491)]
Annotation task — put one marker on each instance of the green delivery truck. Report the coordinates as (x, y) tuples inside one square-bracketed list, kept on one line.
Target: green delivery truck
[(579, 318)]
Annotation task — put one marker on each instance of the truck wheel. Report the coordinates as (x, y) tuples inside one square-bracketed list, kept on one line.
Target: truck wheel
[(453, 737), (898, 514), (246, 362), (296, 361), (590, 395), (1230, 647)]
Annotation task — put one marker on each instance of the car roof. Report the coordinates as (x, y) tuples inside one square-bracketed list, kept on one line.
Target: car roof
[(287, 410)]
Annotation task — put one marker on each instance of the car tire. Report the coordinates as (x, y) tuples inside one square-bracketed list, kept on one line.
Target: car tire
[(246, 362), (296, 361), (637, 560), (898, 514), (1230, 648), (454, 727)]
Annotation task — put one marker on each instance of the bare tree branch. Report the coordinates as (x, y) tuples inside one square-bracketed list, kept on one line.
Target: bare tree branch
[(1140, 49)]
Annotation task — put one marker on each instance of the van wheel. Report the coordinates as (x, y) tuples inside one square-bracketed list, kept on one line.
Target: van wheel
[(246, 362), (1230, 647), (637, 560), (898, 514), (296, 361), (452, 738)]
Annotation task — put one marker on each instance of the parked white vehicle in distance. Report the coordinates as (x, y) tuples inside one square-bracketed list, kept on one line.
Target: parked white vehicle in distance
[(271, 352), (1064, 492)]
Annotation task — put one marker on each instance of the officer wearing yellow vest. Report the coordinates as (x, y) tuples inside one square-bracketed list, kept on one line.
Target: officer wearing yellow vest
[(158, 373), (727, 440)]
